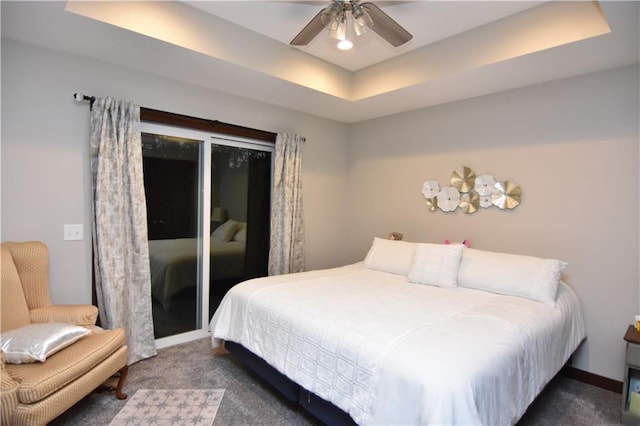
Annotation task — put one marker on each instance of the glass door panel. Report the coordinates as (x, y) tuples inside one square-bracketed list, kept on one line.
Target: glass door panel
[(172, 177), (240, 216)]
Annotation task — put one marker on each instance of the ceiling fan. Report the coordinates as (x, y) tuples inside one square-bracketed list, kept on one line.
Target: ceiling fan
[(364, 16)]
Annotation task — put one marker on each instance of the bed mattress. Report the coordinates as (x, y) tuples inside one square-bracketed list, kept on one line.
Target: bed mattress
[(387, 351)]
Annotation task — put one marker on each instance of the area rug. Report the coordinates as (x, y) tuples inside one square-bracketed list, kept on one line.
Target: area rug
[(170, 407)]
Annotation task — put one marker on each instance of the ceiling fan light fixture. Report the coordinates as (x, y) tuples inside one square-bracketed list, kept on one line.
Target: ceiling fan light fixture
[(345, 44), (361, 20), (340, 31), (344, 34), (332, 16)]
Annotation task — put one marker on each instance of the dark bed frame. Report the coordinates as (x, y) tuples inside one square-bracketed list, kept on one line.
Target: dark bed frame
[(320, 408)]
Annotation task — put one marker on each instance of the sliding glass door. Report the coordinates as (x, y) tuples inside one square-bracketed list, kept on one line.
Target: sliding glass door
[(208, 213)]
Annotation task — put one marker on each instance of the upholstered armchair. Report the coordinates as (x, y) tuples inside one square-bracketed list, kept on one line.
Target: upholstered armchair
[(39, 384)]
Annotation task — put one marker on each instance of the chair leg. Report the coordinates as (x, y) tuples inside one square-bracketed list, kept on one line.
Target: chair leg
[(123, 376)]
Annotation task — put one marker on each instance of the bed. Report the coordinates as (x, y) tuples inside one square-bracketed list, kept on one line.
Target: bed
[(174, 267), (414, 334)]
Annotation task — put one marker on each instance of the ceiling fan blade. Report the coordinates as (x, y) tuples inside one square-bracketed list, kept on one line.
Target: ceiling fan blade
[(309, 32), (386, 27)]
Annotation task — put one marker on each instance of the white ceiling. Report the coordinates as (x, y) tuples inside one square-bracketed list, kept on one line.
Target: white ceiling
[(427, 21), (460, 49)]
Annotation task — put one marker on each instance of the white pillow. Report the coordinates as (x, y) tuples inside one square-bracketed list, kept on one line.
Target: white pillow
[(226, 231), (436, 264), (516, 275), (241, 236), (35, 342), (391, 256)]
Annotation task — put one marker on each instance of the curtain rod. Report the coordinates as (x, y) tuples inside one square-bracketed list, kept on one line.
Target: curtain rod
[(157, 116), (80, 97)]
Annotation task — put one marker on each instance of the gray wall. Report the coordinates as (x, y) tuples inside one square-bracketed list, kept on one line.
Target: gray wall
[(572, 145)]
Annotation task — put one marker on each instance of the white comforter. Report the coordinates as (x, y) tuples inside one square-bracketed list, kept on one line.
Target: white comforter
[(391, 352)]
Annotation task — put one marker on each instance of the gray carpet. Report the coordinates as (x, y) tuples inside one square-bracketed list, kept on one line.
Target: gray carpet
[(248, 401)]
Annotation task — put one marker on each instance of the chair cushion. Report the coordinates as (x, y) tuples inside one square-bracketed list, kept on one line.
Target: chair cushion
[(39, 380), (14, 312)]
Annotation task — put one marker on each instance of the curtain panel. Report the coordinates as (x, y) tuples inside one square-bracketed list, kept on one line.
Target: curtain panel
[(286, 252), (121, 251)]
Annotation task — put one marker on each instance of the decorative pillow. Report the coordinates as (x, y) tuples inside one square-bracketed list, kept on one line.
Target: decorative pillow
[(436, 264), (35, 342), (226, 231), (516, 275), (391, 256), (241, 236)]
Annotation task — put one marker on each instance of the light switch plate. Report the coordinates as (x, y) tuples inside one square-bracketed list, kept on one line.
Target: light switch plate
[(73, 232)]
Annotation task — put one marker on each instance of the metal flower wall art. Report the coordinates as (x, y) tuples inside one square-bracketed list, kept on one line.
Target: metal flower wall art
[(470, 192)]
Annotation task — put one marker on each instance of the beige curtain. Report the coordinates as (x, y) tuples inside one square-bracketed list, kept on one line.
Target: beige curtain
[(286, 252), (121, 251)]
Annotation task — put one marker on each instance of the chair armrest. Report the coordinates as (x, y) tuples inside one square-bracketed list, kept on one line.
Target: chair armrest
[(8, 394), (84, 315)]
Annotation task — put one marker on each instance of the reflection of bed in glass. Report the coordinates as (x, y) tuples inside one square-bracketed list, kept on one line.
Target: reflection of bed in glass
[(174, 265)]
